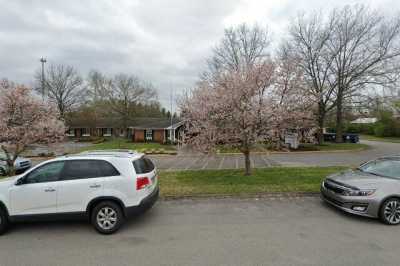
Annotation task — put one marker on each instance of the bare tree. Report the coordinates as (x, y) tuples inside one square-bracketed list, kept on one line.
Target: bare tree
[(307, 46), (366, 51), (97, 86), (63, 87), (241, 46), (125, 93)]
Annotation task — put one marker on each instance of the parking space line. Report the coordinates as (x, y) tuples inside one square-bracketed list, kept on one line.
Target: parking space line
[(206, 162), (172, 164), (193, 163), (222, 161), (267, 163), (237, 162)]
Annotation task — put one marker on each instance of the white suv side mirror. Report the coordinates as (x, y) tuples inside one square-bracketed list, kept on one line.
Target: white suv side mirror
[(20, 181)]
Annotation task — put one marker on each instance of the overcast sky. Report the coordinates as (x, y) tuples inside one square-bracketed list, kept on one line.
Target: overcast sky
[(162, 41)]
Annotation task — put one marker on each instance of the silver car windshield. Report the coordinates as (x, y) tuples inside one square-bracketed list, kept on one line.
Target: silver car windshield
[(383, 167)]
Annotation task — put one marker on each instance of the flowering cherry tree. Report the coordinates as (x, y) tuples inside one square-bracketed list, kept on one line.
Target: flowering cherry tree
[(241, 109), (254, 101), (24, 120)]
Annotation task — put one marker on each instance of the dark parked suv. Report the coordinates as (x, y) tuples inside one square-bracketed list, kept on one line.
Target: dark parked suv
[(347, 137)]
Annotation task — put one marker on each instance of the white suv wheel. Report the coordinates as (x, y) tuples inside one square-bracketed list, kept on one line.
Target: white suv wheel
[(3, 221), (107, 217)]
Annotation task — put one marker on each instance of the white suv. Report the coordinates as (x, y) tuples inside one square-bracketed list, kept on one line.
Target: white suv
[(104, 186)]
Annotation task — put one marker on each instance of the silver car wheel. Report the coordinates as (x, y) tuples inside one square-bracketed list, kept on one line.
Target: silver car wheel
[(392, 212), (106, 218)]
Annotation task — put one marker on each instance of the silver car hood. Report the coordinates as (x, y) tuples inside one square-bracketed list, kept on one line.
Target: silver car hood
[(359, 179), (17, 161)]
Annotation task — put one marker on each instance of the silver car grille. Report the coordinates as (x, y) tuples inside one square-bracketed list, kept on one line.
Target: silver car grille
[(336, 187), (24, 164)]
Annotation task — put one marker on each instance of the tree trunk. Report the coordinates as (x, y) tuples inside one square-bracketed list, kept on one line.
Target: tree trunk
[(10, 168), (247, 162), (321, 124), (125, 126), (339, 118)]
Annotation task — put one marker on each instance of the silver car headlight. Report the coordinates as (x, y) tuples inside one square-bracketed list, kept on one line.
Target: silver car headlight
[(362, 192)]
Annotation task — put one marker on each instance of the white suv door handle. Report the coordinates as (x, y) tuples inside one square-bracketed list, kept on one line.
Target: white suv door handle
[(49, 189), (95, 186)]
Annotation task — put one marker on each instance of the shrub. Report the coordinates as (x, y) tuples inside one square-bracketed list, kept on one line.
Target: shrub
[(361, 128), (92, 139), (98, 140), (387, 125), (46, 154), (380, 130)]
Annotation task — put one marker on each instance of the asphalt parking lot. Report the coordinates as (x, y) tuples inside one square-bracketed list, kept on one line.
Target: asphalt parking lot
[(199, 162), (265, 231), (188, 161), (229, 161)]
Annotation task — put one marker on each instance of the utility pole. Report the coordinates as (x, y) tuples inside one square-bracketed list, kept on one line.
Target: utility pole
[(172, 131), (43, 61)]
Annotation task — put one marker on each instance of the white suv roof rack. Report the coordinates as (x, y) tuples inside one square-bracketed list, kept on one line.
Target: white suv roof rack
[(111, 152)]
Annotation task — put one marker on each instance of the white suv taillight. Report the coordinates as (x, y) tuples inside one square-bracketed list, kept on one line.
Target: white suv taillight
[(142, 182)]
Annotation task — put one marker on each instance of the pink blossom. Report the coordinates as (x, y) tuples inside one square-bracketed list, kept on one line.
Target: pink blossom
[(241, 108), (24, 120)]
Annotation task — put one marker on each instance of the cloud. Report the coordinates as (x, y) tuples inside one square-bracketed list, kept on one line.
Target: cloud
[(165, 42)]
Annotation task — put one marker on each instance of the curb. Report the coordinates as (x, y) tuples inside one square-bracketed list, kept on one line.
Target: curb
[(296, 152), (271, 195)]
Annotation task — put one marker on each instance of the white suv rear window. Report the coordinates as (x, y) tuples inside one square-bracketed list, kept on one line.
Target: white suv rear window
[(143, 165)]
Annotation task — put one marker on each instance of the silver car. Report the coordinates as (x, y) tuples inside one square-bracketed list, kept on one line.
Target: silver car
[(371, 190), (21, 164)]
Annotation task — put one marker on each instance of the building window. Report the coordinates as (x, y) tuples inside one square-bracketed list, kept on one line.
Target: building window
[(149, 134), (85, 132), (71, 132), (107, 132)]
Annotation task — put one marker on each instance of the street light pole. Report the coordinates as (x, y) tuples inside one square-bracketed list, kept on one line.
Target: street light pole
[(43, 61), (172, 133)]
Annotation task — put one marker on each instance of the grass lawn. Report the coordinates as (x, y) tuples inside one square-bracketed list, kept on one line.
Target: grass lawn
[(127, 144), (233, 182), (383, 139), (330, 146), (327, 146)]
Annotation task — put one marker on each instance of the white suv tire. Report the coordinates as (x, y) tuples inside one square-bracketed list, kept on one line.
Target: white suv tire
[(2, 171), (107, 217), (3, 221)]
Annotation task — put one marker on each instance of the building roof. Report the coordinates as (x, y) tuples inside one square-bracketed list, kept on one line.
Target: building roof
[(112, 122), (156, 123), (365, 120), (91, 122)]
